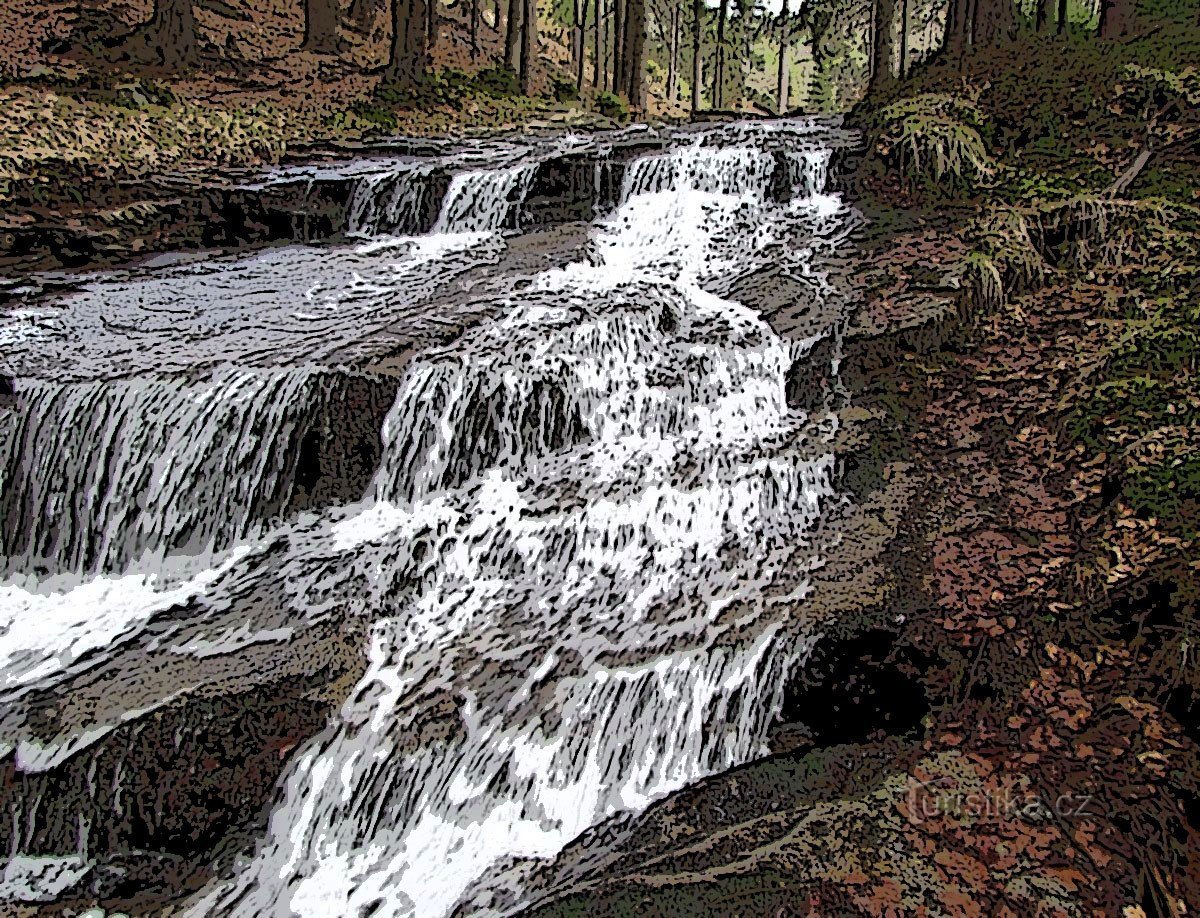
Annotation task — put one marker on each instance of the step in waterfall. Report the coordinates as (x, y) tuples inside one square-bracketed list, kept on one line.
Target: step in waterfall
[(576, 509)]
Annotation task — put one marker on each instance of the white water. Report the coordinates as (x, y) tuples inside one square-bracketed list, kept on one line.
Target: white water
[(391, 202), (577, 511), (103, 474), (481, 201), (564, 554)]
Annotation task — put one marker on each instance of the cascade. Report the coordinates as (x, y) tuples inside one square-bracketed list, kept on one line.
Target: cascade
[(99, 474), (575, 513), (560, 542), (391, 203), (484, 200)]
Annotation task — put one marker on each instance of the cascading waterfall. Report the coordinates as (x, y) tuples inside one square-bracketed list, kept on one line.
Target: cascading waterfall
[(390, 203), (563, 537), (577, 514), (99, 474)]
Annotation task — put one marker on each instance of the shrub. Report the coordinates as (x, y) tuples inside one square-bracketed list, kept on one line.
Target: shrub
[(563, 90), (933, 138), (611, 106)]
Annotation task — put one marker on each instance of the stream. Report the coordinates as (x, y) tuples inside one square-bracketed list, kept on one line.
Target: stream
[(546, 478)]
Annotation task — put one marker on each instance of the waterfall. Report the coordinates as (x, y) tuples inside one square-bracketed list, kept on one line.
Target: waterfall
[(391, 203), (577, 513), (701, 167), (484, 200), (577, 531), (808, 171), (99, 474)]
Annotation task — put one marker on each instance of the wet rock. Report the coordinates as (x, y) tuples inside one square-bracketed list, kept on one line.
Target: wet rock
[(810, 379)]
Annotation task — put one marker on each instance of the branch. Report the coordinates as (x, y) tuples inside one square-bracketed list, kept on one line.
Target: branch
[(1126, 178)]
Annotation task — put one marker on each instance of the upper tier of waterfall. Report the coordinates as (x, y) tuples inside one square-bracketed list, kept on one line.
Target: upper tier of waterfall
[(564, 522)]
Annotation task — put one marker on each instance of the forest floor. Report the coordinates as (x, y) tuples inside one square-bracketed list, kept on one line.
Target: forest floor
[(1054, 183)]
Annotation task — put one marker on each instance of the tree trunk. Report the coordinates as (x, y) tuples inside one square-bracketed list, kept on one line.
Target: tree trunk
[(1116, 18), (431, 23), (1062, 16), (320, 25), (577, 34), (673, 55), (512, 35), (598, 51), (410, 43), (697, 60), (634, 54), (475, 29), (994, 22), (954, 39), (580, 62), (883, 50), (1041, 16), (903, 39), (784, 29), (618, 46), (718, 93), (172, 32), (609, 48), (529, 44)]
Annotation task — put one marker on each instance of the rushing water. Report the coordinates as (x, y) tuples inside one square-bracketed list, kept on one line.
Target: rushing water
[(563, 552)]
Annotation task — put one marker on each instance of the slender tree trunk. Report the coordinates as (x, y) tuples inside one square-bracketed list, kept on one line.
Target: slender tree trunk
[(409, 57), (320, 25), (475, 30), (172, 33), (529, 44), (431, 23), (883, 50), (958, 29), (618, 46), (784, 34), (512, 35), (697, 59), (1041, 15), (1062, 16), (577, 34), (610, 45), (581, 61), (634, 54), (903, 39), (497, 8), (598, 50), (673, 54), (718, 93)]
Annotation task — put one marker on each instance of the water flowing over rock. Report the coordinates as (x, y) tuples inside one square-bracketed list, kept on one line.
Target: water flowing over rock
[(560, 554), (100, 474), (397, 202)]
